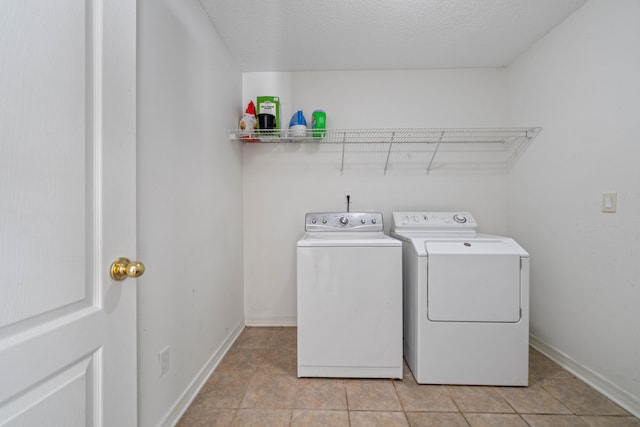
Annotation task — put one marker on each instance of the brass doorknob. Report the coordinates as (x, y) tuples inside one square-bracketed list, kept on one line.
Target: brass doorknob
[(123, 268)]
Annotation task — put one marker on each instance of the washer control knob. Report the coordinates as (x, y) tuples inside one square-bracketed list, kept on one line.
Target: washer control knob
[(314, 220), (344, 220), (363, 221), (373, 221), (460, 219), (324, 220)]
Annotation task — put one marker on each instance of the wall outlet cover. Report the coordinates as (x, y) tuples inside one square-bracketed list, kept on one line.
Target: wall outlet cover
[(164, 358), (609, 202)]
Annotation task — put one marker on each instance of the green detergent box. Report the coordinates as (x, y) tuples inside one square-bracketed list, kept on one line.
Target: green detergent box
[(269, 105)]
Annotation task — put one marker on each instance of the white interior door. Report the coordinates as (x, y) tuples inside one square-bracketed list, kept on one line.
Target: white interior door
[(67, 210)]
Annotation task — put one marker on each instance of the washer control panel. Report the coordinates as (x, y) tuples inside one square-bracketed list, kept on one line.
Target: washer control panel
[(425, 221), (343, 221)]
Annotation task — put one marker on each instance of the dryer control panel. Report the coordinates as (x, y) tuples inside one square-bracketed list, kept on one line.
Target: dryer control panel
[(433, 221), (343, 221)]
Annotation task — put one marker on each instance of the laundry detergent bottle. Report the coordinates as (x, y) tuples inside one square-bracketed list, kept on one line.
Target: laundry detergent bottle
[(319, 123)]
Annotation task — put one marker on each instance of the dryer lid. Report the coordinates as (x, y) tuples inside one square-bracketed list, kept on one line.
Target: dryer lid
[(470, 247)]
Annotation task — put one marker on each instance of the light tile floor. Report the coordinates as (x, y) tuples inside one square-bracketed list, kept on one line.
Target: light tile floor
[(255, 384)]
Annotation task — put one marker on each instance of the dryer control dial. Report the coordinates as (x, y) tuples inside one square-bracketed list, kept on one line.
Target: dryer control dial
[(344, 220), (460, 219)]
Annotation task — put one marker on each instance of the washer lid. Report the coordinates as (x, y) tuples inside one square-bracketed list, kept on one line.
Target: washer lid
[(473, 281), (354, 239)]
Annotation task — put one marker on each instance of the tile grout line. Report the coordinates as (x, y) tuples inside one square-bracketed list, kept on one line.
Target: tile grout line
[(395, 389)]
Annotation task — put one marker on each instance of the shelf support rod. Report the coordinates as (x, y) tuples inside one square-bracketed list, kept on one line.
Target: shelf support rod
[(393, 134), (344, 140), (433, 156)]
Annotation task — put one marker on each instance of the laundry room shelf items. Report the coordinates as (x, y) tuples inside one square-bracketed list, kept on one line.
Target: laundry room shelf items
[(434, 148)]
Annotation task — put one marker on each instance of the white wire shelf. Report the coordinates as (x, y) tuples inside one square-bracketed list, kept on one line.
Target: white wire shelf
[(437, 148)]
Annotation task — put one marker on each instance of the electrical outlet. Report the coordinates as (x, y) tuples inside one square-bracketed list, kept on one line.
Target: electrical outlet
[(609, 202), (164, 359)]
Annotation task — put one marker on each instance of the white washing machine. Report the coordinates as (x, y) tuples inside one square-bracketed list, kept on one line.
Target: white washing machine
[(466, 301), (349, 277)]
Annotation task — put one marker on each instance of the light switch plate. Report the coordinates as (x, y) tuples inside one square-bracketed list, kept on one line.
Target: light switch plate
[(609, 202)]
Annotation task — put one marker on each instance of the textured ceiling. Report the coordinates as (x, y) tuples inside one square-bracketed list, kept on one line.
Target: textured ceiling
[(303, 35)]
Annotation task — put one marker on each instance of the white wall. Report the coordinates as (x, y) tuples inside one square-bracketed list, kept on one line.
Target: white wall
[(581, 83), (283, 182), (190, 204)]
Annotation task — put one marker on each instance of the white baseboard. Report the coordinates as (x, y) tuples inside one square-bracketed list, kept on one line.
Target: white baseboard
[(173, 416), (612, 391), (272, 321)]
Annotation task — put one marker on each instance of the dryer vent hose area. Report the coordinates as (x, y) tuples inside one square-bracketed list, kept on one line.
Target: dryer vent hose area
[(348, 201)]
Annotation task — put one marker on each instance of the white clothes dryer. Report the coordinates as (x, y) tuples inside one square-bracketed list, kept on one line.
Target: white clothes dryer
[(349, 280), (465, 301)]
